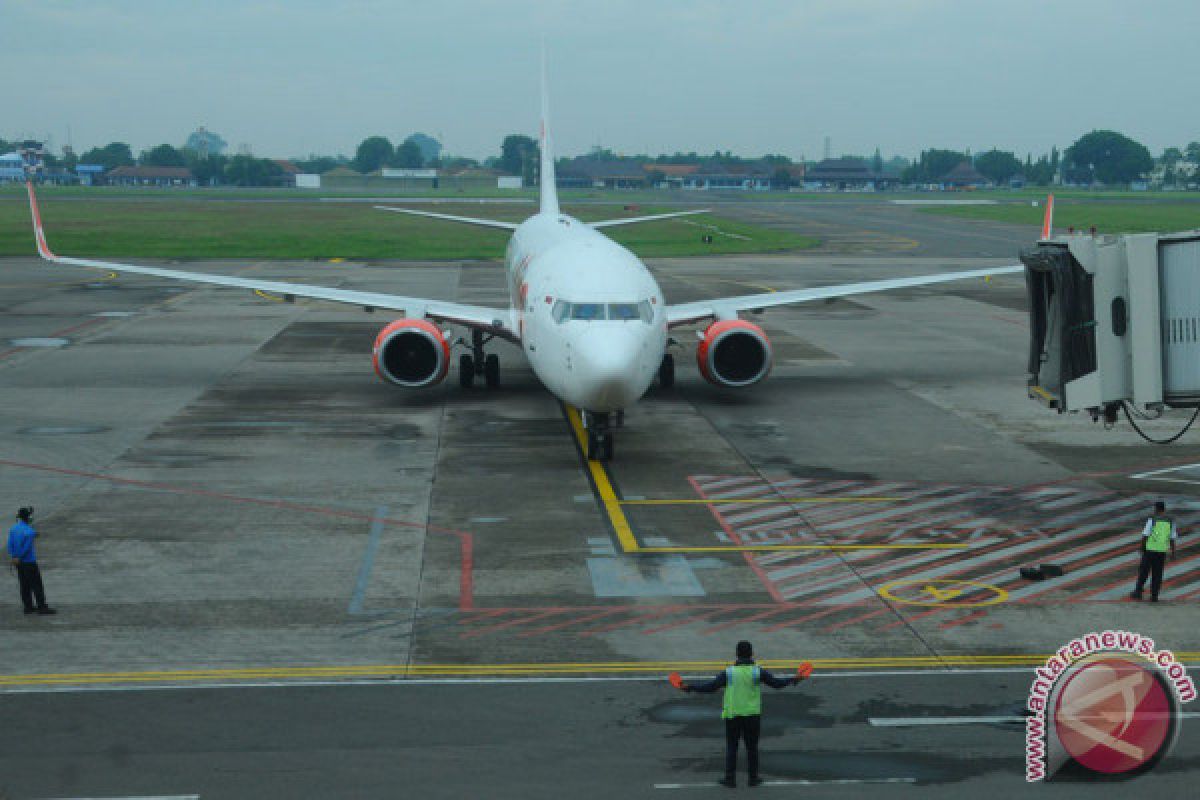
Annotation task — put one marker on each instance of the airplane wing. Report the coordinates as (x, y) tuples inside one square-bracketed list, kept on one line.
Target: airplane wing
[(498, 321), (612, 223), (728, 307), (483, 223)]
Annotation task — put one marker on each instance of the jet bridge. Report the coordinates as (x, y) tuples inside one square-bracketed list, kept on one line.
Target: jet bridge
[(1115, 324)]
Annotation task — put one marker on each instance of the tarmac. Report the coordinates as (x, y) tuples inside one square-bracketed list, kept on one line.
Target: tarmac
[(278, 576)]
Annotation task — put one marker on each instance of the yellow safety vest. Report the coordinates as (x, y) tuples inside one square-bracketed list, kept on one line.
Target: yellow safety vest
[(743, 692), (1159, 540)]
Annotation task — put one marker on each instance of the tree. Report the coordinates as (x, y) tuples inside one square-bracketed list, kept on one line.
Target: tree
[(1193, 152), (408, 154), (208, 171), (1107, 156), (518, 155), (997, 165), (373, 153), (163, 156), (111, 156), (932, 165), (877, 162), (250, 171), (430, 147), (1171, 156), (316, 164)]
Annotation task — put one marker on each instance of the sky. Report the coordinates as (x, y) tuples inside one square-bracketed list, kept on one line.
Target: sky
[(293, 78)]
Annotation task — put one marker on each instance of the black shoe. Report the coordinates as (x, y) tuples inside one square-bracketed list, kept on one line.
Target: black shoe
[(30, 610), (1136, 595), (728, 782), (46, 610), (1153, 599), (754, 781)]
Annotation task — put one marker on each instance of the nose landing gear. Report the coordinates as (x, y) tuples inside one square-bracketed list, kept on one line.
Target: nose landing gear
[(477, 363), (666, 372), (600, 435)]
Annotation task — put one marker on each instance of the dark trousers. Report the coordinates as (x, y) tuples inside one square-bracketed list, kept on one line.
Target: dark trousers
[(745, 728), (1152, 565), (30, 578)]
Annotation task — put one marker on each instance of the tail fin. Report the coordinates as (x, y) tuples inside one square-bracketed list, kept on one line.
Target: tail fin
[(547, 188), (1048, 220)]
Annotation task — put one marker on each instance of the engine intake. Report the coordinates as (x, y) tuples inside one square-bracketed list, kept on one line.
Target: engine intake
[(412, 353), (734, 353)]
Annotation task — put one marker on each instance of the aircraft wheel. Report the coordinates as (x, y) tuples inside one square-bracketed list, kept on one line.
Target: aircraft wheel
[(607, 449), (666, 372), (491, 371), (466, 371)]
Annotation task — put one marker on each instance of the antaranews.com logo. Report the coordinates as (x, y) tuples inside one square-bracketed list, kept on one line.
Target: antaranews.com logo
[(1109, 702)]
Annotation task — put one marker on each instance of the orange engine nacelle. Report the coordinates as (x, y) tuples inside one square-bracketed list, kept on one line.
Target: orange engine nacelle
[(734, 352), (412, 353)]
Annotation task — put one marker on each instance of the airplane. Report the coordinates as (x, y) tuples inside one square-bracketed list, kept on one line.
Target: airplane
[(588, 315)]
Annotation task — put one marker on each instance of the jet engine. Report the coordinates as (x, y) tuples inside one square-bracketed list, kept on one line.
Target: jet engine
[(734, 352), (412, 353)]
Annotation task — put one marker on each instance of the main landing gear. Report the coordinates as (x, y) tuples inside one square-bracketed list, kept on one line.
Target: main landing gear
[(599, 427), (477, 363)]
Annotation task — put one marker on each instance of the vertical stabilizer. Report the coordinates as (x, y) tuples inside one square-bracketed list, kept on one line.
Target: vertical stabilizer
[(547, 188)]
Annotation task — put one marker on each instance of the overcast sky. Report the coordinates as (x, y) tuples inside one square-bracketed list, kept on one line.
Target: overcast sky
[(752, 76)]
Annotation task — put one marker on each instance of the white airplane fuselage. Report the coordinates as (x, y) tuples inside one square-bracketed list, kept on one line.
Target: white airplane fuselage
[(590, 317)]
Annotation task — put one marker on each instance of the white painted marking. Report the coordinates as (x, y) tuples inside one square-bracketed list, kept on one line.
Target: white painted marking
[(943, 202), (39, 341), (116, 314), (1152, 475), (909, 722), (142, 797), (832, 782)]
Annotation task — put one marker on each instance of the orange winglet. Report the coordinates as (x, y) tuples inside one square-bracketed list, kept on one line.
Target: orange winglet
[(804, 670), (1048, 219), (675, 680)]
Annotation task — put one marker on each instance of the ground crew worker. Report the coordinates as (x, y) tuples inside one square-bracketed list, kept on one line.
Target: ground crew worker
[(1158, 536), (742, 707), (24, 560)]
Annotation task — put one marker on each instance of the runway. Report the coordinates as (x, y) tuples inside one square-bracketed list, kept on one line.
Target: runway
[(229, 497)]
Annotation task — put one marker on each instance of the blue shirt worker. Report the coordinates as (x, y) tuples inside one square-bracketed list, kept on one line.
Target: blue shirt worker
[(1158, 536), (24, 560), (742, 707)]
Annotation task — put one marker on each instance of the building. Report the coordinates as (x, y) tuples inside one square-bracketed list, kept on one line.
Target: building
[(90, 174), (150, 176), (288, 172), (669, 176), (11, 168), (964, 176), (842, 173), (583, 172), (740, 177)]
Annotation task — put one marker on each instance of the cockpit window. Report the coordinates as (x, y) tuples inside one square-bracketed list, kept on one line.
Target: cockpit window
[(587, 311), (623, 311), (592, 312)]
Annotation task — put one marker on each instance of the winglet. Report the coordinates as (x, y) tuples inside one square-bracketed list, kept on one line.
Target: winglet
[(547, 188), (38, 234), (1048, 220)]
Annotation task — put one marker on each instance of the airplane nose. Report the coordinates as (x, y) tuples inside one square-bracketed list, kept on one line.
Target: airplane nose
[(607, 370)]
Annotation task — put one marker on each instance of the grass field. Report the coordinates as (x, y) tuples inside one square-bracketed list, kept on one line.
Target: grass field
[(166, 226), (1109, 216)]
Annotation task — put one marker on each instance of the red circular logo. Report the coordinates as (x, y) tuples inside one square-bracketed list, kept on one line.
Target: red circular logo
[(1114, 715)]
